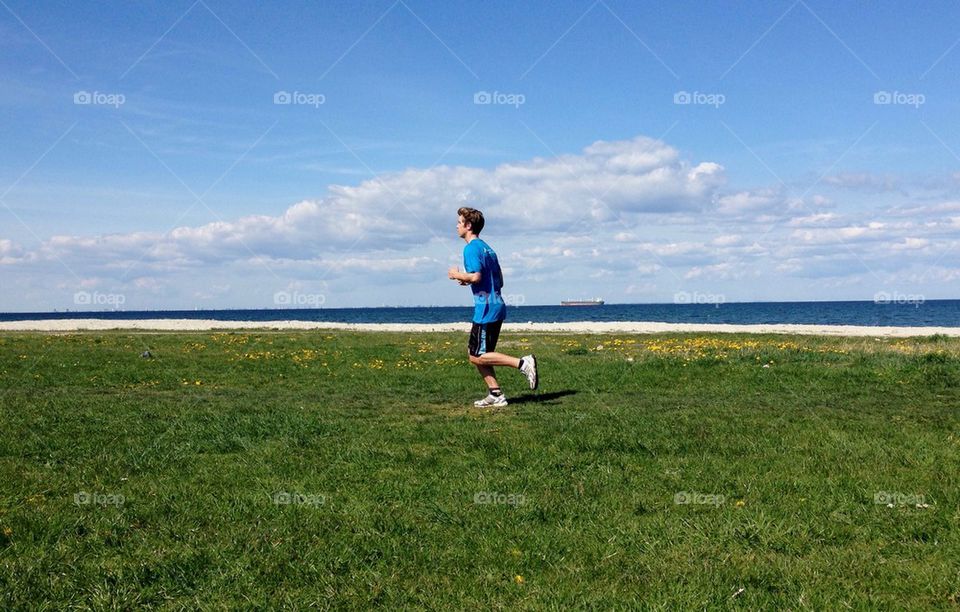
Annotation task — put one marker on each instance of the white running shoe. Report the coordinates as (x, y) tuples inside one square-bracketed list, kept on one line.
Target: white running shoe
[(529, 369), (491, 402)]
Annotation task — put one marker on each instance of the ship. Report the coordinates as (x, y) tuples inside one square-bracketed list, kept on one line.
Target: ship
[(593, 302)]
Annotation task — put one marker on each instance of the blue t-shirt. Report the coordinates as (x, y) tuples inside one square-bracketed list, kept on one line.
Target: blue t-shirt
[(488, 305)]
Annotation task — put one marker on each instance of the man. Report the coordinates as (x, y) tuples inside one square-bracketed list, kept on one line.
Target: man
[(485, 279)]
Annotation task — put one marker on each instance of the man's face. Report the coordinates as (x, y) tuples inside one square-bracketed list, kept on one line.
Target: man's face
[(462, 228)]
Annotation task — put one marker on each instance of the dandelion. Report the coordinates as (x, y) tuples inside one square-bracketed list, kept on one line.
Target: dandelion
[(518, 579)]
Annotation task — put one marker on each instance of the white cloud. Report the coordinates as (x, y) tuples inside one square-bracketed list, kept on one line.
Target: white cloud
[(571, 193), (727, 240), (911, 244), (839, 234), (10, 253), (620, 218), (816, 219), (926, 210), (762, 201), (863, 181)]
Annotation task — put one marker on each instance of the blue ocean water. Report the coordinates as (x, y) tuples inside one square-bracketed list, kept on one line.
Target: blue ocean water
[(945, 313)]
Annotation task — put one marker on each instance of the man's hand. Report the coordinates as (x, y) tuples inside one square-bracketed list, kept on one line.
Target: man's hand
[(464, 278)]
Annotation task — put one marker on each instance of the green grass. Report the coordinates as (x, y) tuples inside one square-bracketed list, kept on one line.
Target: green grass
[(376, 433)]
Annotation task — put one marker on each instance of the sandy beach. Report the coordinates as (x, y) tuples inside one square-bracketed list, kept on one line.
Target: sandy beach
[(584, 327)]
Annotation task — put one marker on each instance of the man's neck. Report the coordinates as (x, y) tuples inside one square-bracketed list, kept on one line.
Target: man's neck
[(469, 238)]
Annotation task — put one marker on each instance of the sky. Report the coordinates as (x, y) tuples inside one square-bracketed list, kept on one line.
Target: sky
[(210, 154)]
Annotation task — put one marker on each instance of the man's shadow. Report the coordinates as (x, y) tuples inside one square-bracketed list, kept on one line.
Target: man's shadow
[(539, 398)]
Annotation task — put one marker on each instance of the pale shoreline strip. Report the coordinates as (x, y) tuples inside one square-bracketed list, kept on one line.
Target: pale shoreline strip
[(579, 327)]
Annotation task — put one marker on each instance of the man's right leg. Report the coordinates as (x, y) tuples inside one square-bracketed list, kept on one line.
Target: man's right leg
[(486, 372)]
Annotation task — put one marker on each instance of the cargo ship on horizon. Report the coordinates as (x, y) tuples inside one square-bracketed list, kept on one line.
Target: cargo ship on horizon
[(593, 302)]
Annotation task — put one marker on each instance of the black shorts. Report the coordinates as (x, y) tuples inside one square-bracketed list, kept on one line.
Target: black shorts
[(483, 337)]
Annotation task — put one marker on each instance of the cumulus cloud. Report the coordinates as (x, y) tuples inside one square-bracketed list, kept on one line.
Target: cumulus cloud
[(606, 181), (631, 217)]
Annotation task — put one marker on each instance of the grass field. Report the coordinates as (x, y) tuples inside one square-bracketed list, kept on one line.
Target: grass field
[(347, 470)]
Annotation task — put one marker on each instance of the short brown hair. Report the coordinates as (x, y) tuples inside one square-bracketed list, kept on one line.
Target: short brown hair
[(472, 216)]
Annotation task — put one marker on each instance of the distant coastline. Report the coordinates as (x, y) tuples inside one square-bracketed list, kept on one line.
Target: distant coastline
[(928, 313), (582, 327)]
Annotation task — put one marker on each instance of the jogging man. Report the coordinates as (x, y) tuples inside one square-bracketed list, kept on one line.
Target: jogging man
[(485, 279)]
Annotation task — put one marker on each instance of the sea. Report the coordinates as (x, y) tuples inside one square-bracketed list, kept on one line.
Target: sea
[(912, 313)]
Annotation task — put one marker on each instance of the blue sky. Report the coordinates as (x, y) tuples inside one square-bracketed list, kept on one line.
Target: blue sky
[(183, 183)]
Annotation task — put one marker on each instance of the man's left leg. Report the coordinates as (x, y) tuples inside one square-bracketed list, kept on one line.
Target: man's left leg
[(485, 357), (498, 359), (526, 364)]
